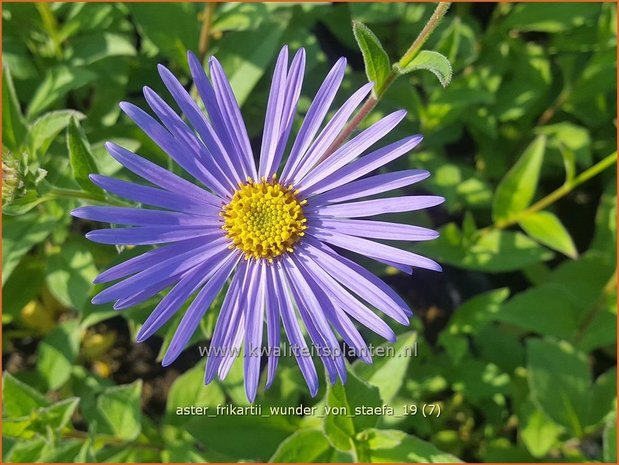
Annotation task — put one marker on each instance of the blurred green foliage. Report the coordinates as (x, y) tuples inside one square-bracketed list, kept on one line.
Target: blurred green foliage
[(516, 339)]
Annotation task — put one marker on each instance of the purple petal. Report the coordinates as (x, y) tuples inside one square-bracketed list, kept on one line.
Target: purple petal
[(143, 217), (364, 165), (158, 175), (201, 125), (173, 300), (185, 158), (273, 329), (352, 149), (253, 334), (315, 322), (378, 206), (147, 259), (207, 93), (365, 284), (146, 235), (197, 309), (161, 271), (155, 197), (148, 292), (369, 186), (231, 115), (374, 249), (210, 172), (314, 117), (294, 83), (272, 119), (293, 330), (347, 301), (229, 317), (376, 229), (331, 131)]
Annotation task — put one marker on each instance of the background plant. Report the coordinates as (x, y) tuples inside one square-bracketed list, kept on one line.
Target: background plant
[(516, 339)]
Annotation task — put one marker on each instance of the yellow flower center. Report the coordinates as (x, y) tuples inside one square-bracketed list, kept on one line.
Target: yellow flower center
[(264, 219)]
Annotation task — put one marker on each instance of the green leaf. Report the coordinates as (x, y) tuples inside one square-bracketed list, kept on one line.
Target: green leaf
[(45, 129), (548, 17), (548, 230), (90, 48), (119, 409), (517, 189), (25, 284), (57, 352), (19, 398), (306, 446), (388, 372), (393, 446), (71, 271), (19, 235), (80, 155), (610, 442), (431, 61), (538, 432), (14, 128), (173, 29), (493, 251), (58, 82), (189, 391), (344, 418), (239, 16), (559, 380), (376, 60), (603, 398)]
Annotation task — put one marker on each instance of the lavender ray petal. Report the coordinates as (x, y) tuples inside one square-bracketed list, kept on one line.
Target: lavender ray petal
[(315, 321), (293, 330), (294, 82), (148, 292), (272, 119), (174, 300), (352, 149), (347, 301), (147, 259), (375, 249), (253, 333), (197, 309), (159, 175), (365, 208), (232, 115), (155, 197), (209, 170), (200, 124), (375, 229), (314, 117), (146, 235), (273, 329), (207, 94), (162, 137), (143, 217), (359, 280), (364, 165), (328, 135), (369, 186), (160, 271), (334, 315)]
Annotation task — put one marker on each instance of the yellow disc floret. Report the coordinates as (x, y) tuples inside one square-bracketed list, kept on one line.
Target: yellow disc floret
[(264, 219)]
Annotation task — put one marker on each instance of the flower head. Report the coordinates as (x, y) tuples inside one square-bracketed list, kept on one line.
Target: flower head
[(270, 231)]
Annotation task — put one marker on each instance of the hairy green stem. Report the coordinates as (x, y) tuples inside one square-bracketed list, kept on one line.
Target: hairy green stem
[(375, 96), (205, 31), (560, 192), (430, 26)]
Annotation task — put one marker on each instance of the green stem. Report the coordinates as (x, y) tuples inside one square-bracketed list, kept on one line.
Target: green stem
[(378, 93), (51, 27), (205, 31), (436, 17), (561, 191)]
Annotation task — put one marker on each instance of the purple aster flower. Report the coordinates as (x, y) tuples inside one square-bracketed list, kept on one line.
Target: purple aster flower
[(271, 231)]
